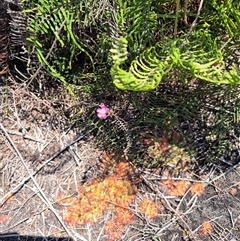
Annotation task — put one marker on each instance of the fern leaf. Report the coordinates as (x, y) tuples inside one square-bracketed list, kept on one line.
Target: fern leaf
[(147, 70), (144, 74)]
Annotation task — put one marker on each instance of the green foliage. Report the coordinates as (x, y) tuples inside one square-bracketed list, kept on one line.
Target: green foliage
[(198, 55), (145, 72), (141, 21), (160, 51), (200, 61), (229, 13), (55, 34)]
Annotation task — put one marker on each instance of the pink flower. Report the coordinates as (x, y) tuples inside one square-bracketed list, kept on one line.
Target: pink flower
[(102, 111)]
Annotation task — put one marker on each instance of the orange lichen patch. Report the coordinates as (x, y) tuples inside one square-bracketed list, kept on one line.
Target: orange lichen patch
[(175, 187), (122, 169), (170, 155), (4, 218), (206, 228), (233, 191), (148, 208), (123, 216), (98, 196), (108, 163), (113, 229), (111, 194), (198, 189)]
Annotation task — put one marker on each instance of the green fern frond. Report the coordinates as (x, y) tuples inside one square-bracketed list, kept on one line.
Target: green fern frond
[(147, 70)]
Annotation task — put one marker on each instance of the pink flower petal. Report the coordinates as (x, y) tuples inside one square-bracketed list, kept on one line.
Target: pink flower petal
[(102, 111)]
